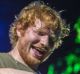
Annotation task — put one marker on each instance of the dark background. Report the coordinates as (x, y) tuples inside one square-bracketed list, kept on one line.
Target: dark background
[(71, 12)]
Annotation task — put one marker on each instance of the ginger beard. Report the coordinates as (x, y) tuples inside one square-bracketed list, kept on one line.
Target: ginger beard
[(24, 50), (32, 45), (27, 56)]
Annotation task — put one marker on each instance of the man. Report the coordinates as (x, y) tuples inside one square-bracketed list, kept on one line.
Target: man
[(34, 35)]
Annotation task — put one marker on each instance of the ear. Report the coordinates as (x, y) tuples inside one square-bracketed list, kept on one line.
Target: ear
[(19, 31)]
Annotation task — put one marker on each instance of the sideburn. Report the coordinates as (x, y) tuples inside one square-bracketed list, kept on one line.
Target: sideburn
[(20, 29)]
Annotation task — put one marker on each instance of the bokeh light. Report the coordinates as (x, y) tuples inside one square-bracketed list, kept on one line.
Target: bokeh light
[(70, 63), (51, 69), (77, 28)]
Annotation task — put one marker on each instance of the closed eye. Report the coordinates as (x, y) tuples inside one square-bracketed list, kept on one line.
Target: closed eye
[(41, 33)]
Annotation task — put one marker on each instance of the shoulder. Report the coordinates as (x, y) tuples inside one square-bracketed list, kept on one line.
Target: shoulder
[(4, 60), (13, 71), (3, 54)]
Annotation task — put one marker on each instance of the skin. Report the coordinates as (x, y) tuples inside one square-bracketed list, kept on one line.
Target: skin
[(31, 48)]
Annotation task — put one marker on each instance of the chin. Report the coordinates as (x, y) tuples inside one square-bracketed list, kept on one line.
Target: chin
[(30, 60)]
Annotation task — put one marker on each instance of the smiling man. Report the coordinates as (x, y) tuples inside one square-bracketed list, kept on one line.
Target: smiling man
[(34, 35)]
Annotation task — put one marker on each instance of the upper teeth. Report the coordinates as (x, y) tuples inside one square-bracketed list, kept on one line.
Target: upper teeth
[(41, 49)]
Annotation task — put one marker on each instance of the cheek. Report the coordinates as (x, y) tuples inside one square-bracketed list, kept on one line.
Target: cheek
[(23, 42), (26, 40), (45, 39), (32, 36)]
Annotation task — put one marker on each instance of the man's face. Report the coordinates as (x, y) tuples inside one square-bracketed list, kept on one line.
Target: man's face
[(34, 44)]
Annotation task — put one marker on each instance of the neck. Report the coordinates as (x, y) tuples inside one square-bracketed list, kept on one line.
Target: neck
[(15, 54)]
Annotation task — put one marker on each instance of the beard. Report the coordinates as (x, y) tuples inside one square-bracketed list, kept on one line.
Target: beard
[(24, 51), (29, 59), (24, 48)]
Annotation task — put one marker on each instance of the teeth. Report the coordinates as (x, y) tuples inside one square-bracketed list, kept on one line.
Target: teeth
[(40, 49), (36, 52)]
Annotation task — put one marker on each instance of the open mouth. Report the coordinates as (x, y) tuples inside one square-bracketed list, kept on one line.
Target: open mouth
[(38, 52)]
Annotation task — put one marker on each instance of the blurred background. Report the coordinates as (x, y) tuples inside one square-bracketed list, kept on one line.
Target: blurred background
[(64, 60)]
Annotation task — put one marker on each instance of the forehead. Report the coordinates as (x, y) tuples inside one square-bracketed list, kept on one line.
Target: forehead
[(39, 24)]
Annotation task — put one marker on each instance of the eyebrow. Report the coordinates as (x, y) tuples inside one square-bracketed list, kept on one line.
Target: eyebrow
[(43, 31)]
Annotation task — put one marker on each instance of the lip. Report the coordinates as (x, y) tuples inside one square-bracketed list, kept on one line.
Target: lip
[(37, 53)]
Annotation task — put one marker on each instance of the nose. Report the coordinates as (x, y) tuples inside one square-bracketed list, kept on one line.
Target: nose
[(36, 40), (44, 40)]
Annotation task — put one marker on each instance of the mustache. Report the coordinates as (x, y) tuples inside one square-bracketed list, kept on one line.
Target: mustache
[(41, 48)]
